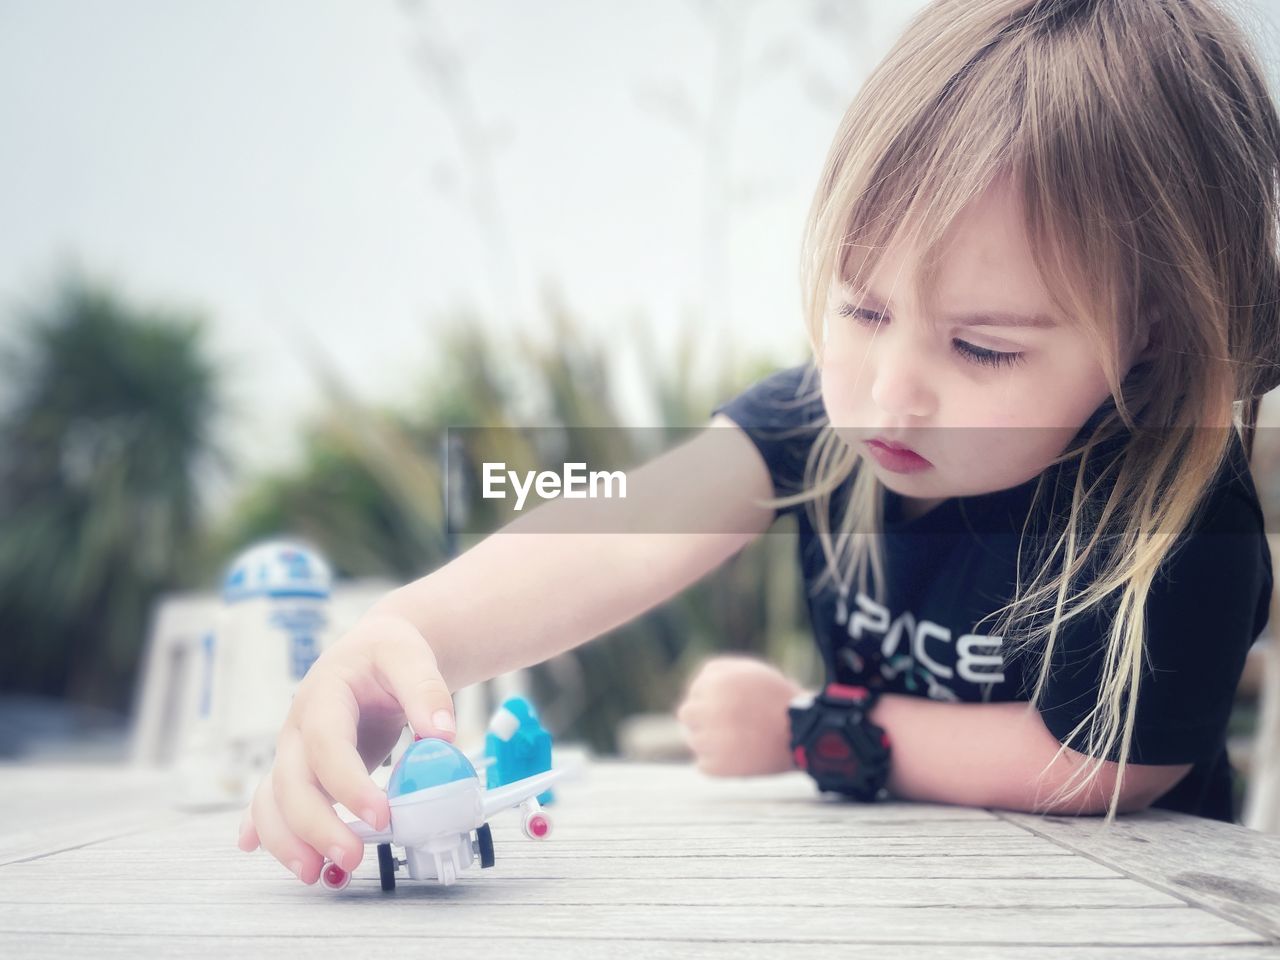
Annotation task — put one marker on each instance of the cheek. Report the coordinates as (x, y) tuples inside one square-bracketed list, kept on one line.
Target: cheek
[(1025, 423), (844, 366), (840, 395), (980, 460), (839, 346), (1049, 399)]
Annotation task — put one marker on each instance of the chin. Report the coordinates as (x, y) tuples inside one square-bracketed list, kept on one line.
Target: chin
[(906, 485)]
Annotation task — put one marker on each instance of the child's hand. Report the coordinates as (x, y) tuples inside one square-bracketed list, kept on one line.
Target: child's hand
[(735, 717), (346, 716)]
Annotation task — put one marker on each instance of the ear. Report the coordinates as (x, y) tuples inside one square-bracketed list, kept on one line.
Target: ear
[(1146, 339)]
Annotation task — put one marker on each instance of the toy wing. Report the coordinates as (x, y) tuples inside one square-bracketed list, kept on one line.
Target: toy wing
[(499, 798), (480, 760), (367, 833)]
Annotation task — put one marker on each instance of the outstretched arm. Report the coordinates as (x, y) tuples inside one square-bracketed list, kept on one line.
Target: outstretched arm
[(530, 591), (526, 593)]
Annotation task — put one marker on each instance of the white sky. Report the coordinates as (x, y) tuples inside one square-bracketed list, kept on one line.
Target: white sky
[(286, 168)]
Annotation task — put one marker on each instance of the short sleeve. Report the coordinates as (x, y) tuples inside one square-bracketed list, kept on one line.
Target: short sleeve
[(782, 415), (1206, 606)]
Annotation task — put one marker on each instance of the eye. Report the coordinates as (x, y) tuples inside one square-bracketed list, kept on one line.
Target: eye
[(992, 358), (867, 316), (974, 354)]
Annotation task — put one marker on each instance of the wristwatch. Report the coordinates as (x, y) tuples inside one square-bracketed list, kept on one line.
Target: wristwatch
[(834, 740)]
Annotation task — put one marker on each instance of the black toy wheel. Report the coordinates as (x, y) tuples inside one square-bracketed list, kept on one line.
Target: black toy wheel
[(484, 837), (386, 866)]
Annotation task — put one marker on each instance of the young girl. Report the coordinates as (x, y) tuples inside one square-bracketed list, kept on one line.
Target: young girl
[(1042, 256)]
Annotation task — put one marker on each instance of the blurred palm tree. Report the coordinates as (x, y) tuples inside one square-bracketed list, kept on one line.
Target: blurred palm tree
[(107, 421)]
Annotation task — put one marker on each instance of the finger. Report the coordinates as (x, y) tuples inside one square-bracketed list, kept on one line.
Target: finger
[(705, 763), (409, 670), (714, 767), (248, 836), (690, 714), (307, 811), (279, 840), (694, 682), (691, 740), (711, 757), (328, 732), (707, 677)]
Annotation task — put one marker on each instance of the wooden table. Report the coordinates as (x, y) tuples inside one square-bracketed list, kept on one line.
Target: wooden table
[(644, 861)]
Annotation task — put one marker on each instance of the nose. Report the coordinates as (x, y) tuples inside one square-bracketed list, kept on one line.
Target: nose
[(901, 385)]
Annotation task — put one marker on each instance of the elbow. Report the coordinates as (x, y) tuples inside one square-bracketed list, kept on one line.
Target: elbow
[(1090, 793), (1094, 802), (1065, 782)]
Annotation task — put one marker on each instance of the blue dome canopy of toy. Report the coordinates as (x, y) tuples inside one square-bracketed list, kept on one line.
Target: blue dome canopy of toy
[(277, 569), (429, 763)]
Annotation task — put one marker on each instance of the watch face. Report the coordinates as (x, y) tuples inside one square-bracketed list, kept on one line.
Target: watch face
[(832, 756)]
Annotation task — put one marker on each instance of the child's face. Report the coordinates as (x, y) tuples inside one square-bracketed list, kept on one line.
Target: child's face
[(987, 405)]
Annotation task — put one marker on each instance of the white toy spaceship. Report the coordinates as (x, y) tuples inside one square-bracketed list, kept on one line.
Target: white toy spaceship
[(439, 814)]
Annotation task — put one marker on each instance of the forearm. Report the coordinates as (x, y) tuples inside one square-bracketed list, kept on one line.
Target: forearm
[(534, 590), (979, 755), (517, 599)]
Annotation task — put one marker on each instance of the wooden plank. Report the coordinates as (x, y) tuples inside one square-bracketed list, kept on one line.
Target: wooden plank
[(51, 792), (654, 858), (856, 837), (623, 832), (517, 847), (45, 809), (162, 892), (681, 786), (438, 912), (62, 946), (243, 867), (1223, 867)]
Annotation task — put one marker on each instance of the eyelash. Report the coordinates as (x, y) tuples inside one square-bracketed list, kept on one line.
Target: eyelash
[(989, 358)]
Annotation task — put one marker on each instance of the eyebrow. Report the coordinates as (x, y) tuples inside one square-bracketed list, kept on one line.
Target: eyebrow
[(983, 318)]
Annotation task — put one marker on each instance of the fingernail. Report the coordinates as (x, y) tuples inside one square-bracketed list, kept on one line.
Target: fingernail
[(296, 867), (443, 720), (335, 854), (369, 817)]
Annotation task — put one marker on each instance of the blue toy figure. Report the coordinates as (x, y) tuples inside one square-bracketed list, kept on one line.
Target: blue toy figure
[(516, 745)]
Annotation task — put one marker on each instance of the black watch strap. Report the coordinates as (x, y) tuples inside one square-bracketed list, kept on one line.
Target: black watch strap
[(834, 740)]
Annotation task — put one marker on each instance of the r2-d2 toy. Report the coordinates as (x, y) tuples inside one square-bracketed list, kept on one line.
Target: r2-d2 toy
[(272, 626)]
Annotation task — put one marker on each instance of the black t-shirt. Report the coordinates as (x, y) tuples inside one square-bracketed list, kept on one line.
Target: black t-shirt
[(953, 566)]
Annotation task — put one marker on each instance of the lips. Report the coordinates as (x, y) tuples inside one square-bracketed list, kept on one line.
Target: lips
[(896, 457), (898, 447)]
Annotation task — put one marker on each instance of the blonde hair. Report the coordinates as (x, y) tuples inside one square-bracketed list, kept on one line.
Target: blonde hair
[(1145, 146)]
